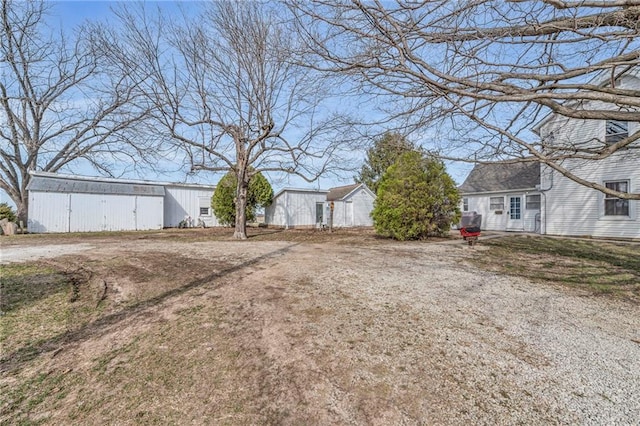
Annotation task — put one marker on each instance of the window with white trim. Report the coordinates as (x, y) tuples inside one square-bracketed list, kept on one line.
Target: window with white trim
[(616, 131), (614, 206), (204, 206), (533, 202), (496, 203), (465, 204)]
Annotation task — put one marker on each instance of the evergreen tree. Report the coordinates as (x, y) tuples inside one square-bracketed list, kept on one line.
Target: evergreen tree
[(384, 152), (6, 212), (416, 199)]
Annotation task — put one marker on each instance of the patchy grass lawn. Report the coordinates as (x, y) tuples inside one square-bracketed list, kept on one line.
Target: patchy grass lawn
[(190, 326), (47, 308), (595, 266)]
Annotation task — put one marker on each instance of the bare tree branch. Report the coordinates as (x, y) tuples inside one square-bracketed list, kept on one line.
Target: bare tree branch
[(59, 104), (480, 73), (227, 89)]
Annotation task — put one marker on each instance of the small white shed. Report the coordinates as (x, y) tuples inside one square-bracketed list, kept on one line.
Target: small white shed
[(352, 205), (296, 207), (63, 203)]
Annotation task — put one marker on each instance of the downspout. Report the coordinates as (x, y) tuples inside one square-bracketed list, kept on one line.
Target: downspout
[(543, 192)]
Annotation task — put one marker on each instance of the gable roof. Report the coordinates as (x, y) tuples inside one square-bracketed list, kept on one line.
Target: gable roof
[(341, 192), (492, 177)]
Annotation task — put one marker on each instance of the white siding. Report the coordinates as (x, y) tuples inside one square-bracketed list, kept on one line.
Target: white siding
[(69, 212), (573, 209), (340, 214), (291, 208), (48, 212), (149, 212), (493, 220), (182, 201), (362, 207), (354, 210)]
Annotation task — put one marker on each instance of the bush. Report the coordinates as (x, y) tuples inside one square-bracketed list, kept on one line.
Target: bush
[(223, 203), (6, 212), (416, 199)]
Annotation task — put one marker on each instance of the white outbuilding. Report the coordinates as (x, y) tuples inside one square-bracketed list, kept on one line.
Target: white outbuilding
[(305, 208), (297, 208), (352, 205), (67, 203)]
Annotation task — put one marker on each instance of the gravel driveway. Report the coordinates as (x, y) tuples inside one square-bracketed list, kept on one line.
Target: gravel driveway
[(24, 253), (412, 334), (384, 333)]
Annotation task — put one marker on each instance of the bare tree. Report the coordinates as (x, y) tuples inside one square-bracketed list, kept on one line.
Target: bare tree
[(485, 71), (227, 91), (58, 103)]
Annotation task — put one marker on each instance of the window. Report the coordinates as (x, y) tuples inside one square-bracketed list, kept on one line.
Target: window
[(204, 206), (616, 131), (319, 212), (533, 202), (496, 203), (614, 206), (465, 204), (514, 211)]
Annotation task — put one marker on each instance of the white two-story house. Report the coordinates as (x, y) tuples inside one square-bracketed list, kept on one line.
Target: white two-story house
[(568, 208)]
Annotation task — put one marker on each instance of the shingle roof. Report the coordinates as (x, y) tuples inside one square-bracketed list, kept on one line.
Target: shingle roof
[(340, 192), (92, 186), (502, 177)]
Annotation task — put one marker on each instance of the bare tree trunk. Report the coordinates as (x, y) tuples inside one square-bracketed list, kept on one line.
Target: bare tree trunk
[(242, 190), (22, 208)]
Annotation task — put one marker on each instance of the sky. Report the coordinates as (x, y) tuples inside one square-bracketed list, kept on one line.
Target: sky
[(70, 14)]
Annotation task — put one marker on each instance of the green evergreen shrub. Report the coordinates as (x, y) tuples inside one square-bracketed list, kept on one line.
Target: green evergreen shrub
[(6, 212), (416, 199)]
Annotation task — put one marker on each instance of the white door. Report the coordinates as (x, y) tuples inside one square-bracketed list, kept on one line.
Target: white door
[(48, 212), (101, 212), (149, 213), (348, 210), (86, 213), (514, 221)]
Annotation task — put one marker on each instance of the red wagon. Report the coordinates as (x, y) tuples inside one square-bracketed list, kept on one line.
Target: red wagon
[(470, 227), (470, 234)]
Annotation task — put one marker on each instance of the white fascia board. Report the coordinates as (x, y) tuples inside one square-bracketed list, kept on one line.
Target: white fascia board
[(505, 191), (317, 191)]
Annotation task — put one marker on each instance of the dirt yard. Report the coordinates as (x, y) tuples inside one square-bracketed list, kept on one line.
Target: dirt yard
[(194, 328)]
